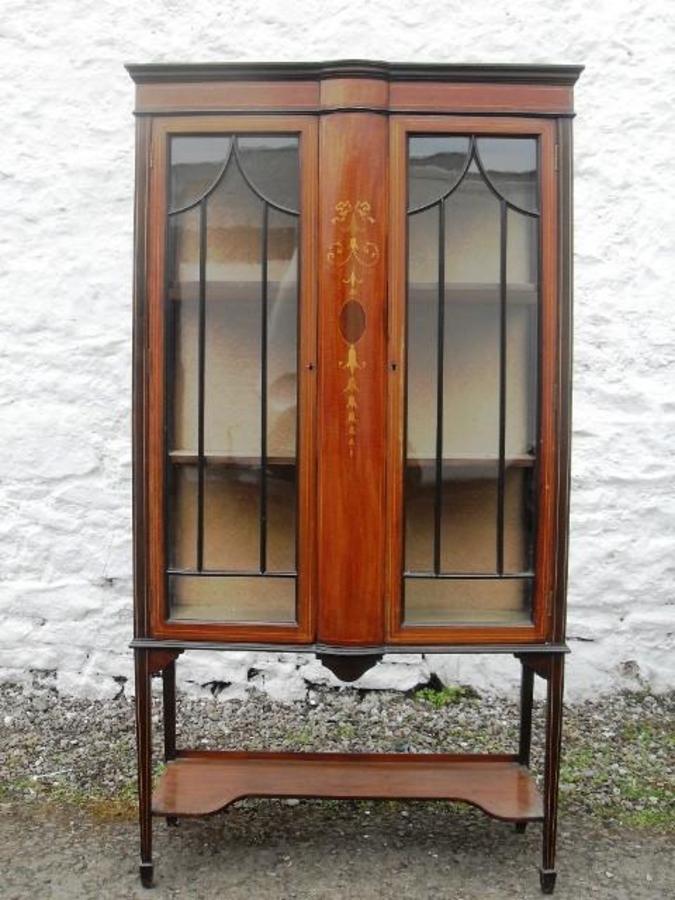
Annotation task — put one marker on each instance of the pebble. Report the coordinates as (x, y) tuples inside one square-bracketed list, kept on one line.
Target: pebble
[(92, 744)]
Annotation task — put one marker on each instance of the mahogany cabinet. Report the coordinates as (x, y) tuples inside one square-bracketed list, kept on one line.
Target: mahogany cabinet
[(351, 398)]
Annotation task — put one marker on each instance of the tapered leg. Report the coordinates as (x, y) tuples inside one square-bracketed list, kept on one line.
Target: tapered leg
[(525, 743), (554, 711), (144, 751), (169, 703)]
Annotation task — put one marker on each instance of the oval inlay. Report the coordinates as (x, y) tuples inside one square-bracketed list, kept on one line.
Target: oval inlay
[(352, 321)]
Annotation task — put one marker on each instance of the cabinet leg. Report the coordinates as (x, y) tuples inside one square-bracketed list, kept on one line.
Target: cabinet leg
[(169, 709), (144, 752), (554, 712), (526, 695), (525, 741)]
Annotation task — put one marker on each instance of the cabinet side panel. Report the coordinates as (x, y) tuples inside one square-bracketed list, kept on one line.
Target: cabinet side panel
[(139, 379), (565, 289), (352, 373)]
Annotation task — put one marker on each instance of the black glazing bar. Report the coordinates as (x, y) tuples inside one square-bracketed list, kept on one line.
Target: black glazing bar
[(470, 576), (201, 381), (230, 573), (263, 392), (501, 474), (440, 352)]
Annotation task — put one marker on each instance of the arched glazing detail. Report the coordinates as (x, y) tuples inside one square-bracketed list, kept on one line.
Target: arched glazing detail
[(435, 165), (232, 345), (438, 164), (471, 379), (268, 164)]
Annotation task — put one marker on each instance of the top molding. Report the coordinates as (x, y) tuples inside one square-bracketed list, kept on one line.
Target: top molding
[(154, 73)]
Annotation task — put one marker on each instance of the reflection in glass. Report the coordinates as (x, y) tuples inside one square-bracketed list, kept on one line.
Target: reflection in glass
[(471, 378), (182, 315), (270, 163), (232, 333), (436, 164), (510, 164), (196, 163)]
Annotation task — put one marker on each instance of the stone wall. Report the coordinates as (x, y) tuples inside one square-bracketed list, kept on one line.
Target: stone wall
[(66, 184)]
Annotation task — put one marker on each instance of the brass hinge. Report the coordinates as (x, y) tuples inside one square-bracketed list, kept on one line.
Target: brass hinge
[(555, 157)]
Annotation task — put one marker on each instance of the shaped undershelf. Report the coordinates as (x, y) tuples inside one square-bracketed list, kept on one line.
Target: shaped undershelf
[(203, 782)]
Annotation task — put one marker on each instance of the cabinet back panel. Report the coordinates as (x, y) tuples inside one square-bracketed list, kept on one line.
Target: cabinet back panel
[(468, 519), (431, 601), (237, 599)]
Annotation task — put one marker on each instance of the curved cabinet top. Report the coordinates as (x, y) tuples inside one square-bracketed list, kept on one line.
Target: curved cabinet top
[(324, 87)]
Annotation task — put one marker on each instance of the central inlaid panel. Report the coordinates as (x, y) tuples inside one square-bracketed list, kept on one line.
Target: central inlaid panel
[(352, 376)]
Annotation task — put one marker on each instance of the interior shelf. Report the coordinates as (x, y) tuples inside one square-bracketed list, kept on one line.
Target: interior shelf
[(231, 291), (523, 461), (488, 292), (202, 782), (189, 457), (234, 291)]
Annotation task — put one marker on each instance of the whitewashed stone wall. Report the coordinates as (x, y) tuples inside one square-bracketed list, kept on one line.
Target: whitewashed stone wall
[(66, 181)]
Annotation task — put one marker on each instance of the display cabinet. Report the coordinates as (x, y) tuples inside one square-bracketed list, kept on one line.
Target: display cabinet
[(351, 400)]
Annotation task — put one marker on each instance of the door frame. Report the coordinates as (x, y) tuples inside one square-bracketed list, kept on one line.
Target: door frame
[(548, 348), (153, 397)]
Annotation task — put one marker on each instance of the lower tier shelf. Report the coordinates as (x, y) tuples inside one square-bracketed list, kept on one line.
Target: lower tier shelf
[(198, 783)]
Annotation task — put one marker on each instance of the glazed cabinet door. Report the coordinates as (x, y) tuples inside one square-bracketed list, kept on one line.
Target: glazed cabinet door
[(231, 336), (472, 408)]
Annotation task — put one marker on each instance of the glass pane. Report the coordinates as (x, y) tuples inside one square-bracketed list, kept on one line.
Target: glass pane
[(216, 598), (482, 601), (282, 336), (422, 329), (435, 165), (182, 326), (281, 494), (471, 378), (196, 163), (469, 518), (232, 337), (522, 356), (231, 517), (462, 516), (511, 166), (270, 162), (233, 319), (182, 508)]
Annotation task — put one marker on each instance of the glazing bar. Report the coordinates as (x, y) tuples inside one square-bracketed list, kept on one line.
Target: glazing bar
[(438, 498), (503, 213), (263, 393), (201, 380)]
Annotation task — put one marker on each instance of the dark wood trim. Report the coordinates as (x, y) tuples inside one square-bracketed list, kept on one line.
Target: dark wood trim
[(329, 110), (152, 73), (511, 648)]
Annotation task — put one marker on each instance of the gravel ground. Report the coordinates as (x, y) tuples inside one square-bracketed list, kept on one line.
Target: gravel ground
[(67, 788)]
